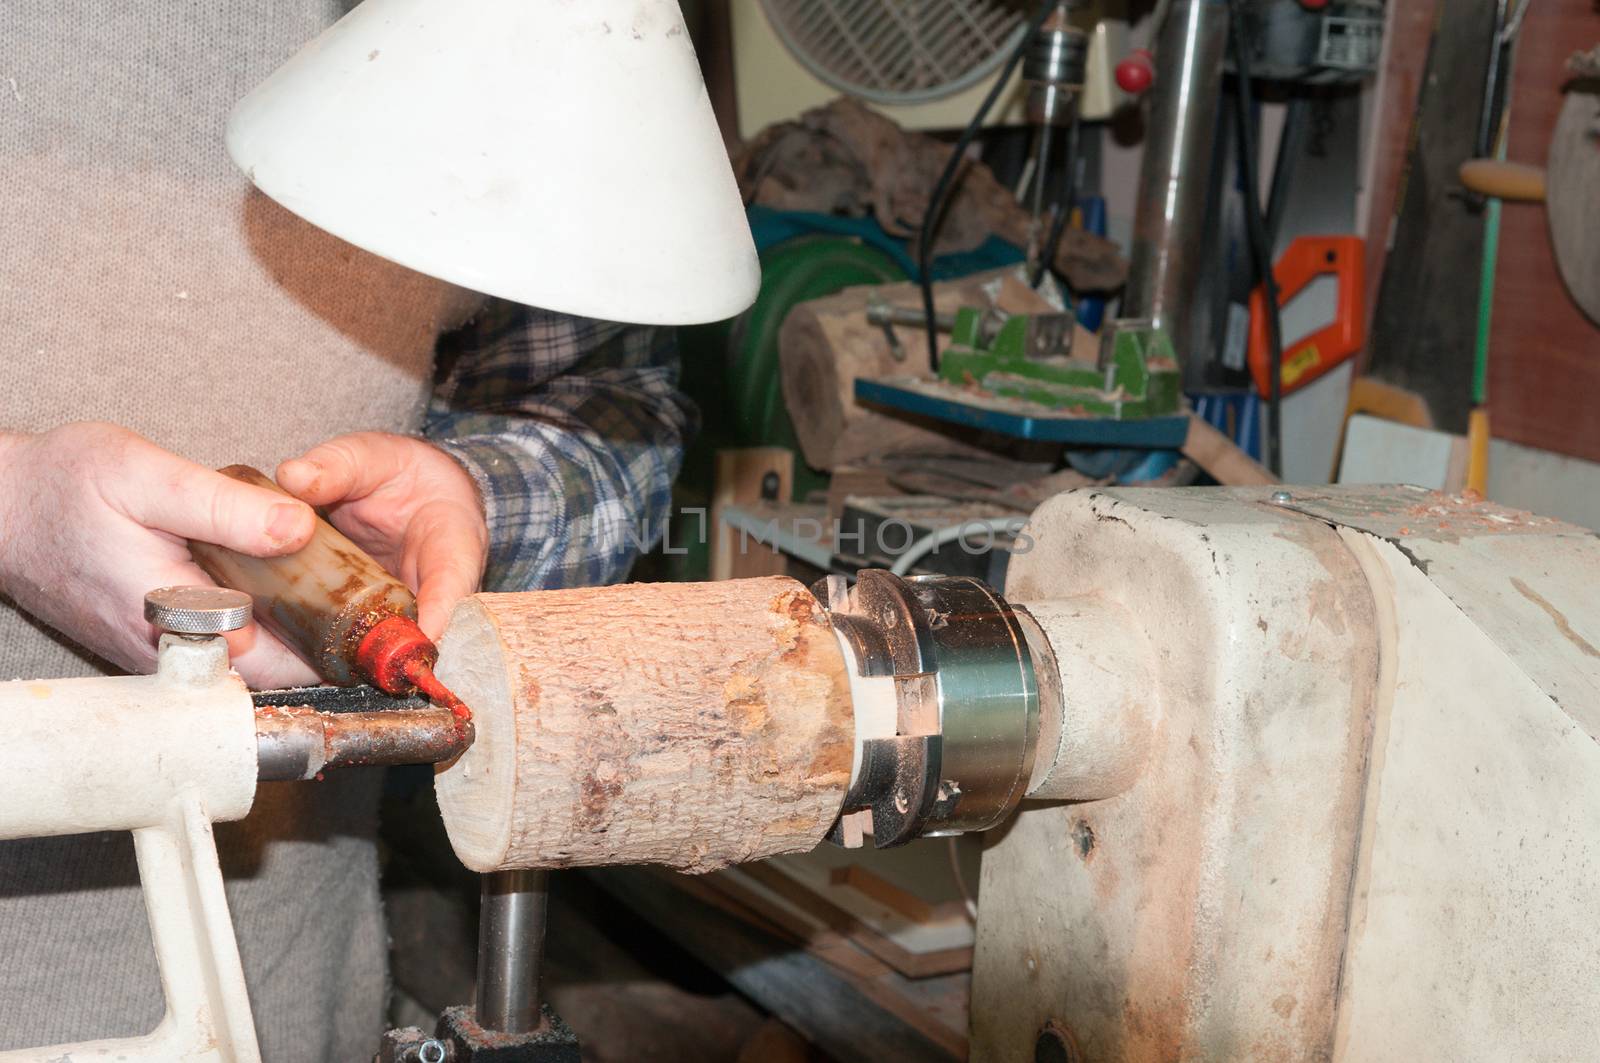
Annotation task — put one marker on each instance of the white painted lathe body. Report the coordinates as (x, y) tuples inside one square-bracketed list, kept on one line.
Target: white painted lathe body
[(163, 756), (1322, 783), (1334, 778)]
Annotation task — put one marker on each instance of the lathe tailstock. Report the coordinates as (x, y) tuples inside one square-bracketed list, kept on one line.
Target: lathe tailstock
[(163, 756)]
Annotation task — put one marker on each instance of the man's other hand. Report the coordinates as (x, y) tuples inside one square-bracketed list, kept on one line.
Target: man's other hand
[(408, 504), (92, 516)]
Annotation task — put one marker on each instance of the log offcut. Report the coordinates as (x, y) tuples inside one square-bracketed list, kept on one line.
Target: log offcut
[(691, 725)]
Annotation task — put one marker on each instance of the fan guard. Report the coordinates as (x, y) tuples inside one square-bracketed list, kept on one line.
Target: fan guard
[(898, 51)]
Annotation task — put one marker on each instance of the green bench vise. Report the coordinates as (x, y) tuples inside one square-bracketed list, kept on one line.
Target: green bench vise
[(1030, 357)]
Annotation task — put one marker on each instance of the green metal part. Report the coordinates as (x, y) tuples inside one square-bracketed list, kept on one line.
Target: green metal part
[(1029, 357)]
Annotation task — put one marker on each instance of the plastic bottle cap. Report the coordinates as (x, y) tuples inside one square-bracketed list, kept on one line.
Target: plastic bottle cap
[(386, 650)]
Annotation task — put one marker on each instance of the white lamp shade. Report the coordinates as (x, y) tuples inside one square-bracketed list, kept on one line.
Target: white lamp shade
[(560, 153)]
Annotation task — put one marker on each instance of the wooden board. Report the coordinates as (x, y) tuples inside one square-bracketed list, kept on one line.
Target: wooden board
[(1544, 354), (1221, 457), (741, 476), (1425, 321), (885, 1019), (902, 906), (751, 900), (1379, 451), (1407, 28)]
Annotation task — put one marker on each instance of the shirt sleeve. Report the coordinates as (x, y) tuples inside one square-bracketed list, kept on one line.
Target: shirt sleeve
[(573, 430)]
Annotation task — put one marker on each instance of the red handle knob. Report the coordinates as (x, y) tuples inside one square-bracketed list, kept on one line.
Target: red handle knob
[(1137, 73)]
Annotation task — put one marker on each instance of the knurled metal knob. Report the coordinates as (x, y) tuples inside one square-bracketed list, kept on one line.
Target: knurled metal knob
[(197, 610)]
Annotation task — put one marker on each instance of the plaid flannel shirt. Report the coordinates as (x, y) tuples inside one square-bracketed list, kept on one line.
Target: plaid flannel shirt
[(573, 430)]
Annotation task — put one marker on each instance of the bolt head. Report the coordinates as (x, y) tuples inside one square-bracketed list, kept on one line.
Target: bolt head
[(1281, 498)]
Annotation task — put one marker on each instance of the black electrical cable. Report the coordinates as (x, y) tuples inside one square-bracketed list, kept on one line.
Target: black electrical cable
[(931, 217), (1260, 249), (1489, 115), (1066, 201), (1296, 124)]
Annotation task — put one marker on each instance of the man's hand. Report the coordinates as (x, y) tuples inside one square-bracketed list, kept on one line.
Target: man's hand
[(92, 516), (408, 504)]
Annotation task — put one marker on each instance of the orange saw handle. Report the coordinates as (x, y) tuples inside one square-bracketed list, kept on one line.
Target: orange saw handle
[(1306, 259)]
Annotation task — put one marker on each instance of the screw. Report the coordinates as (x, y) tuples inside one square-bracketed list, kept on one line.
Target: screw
[(1281, 498), (197, 611)]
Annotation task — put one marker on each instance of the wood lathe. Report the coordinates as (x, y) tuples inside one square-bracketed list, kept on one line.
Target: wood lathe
[(1287, 763)]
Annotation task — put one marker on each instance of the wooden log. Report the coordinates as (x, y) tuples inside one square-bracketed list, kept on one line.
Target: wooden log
[(691, 725), (825, 344)]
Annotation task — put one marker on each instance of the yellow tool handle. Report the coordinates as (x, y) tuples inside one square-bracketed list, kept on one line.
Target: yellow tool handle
[(1478, 452), (1504, 180)]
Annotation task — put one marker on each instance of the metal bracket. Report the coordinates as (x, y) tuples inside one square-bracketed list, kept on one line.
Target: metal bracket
[(459, 1039), (967, 703), (208, 1010)]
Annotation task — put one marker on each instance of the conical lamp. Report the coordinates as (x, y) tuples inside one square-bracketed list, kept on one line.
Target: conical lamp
[(561, 153)]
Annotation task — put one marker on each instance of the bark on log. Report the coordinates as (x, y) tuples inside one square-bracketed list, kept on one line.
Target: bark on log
[(691, 725), (825, 344)]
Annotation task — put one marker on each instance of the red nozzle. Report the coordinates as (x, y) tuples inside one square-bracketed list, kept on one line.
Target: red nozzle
[(422, 675), (1137, 73), (398, 659)]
